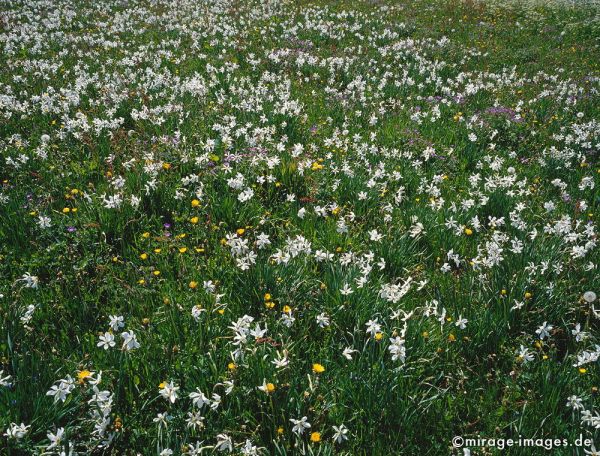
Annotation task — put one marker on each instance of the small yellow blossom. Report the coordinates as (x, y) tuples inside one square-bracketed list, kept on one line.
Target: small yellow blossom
[(318, 368), (83, 375)]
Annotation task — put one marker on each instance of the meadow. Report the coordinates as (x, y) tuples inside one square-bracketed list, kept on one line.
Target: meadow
[(290, 227)]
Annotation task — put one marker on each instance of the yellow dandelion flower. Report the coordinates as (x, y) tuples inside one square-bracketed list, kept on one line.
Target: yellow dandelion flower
[(83, 375), (318, 368)]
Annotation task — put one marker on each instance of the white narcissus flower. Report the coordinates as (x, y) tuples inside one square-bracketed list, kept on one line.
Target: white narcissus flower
[(373, 327), (397, 349), (544, 330), (168, 390), (575, 402), (461, 322), (5, 380), (198, 398), (340, 433), (346, 290), (61, 390), (44, 222), (129, 341), (347, 353), (55, 439), (300, 425), (224, 443), (107, 340), (525, 355), (116, 322), (17, 431)]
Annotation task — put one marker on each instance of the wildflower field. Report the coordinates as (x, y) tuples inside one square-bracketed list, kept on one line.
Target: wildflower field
[(289, 227)]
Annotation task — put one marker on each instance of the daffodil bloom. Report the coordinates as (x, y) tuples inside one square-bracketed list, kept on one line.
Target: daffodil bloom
[(168, 390), (300, 425)]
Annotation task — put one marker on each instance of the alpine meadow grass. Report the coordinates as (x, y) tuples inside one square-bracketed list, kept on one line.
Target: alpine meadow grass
[(290, 227)]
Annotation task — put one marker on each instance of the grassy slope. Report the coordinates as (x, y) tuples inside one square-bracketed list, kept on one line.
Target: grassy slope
[(471, 386)]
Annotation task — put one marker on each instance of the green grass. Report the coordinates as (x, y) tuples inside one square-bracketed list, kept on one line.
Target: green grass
[(476, 121)]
